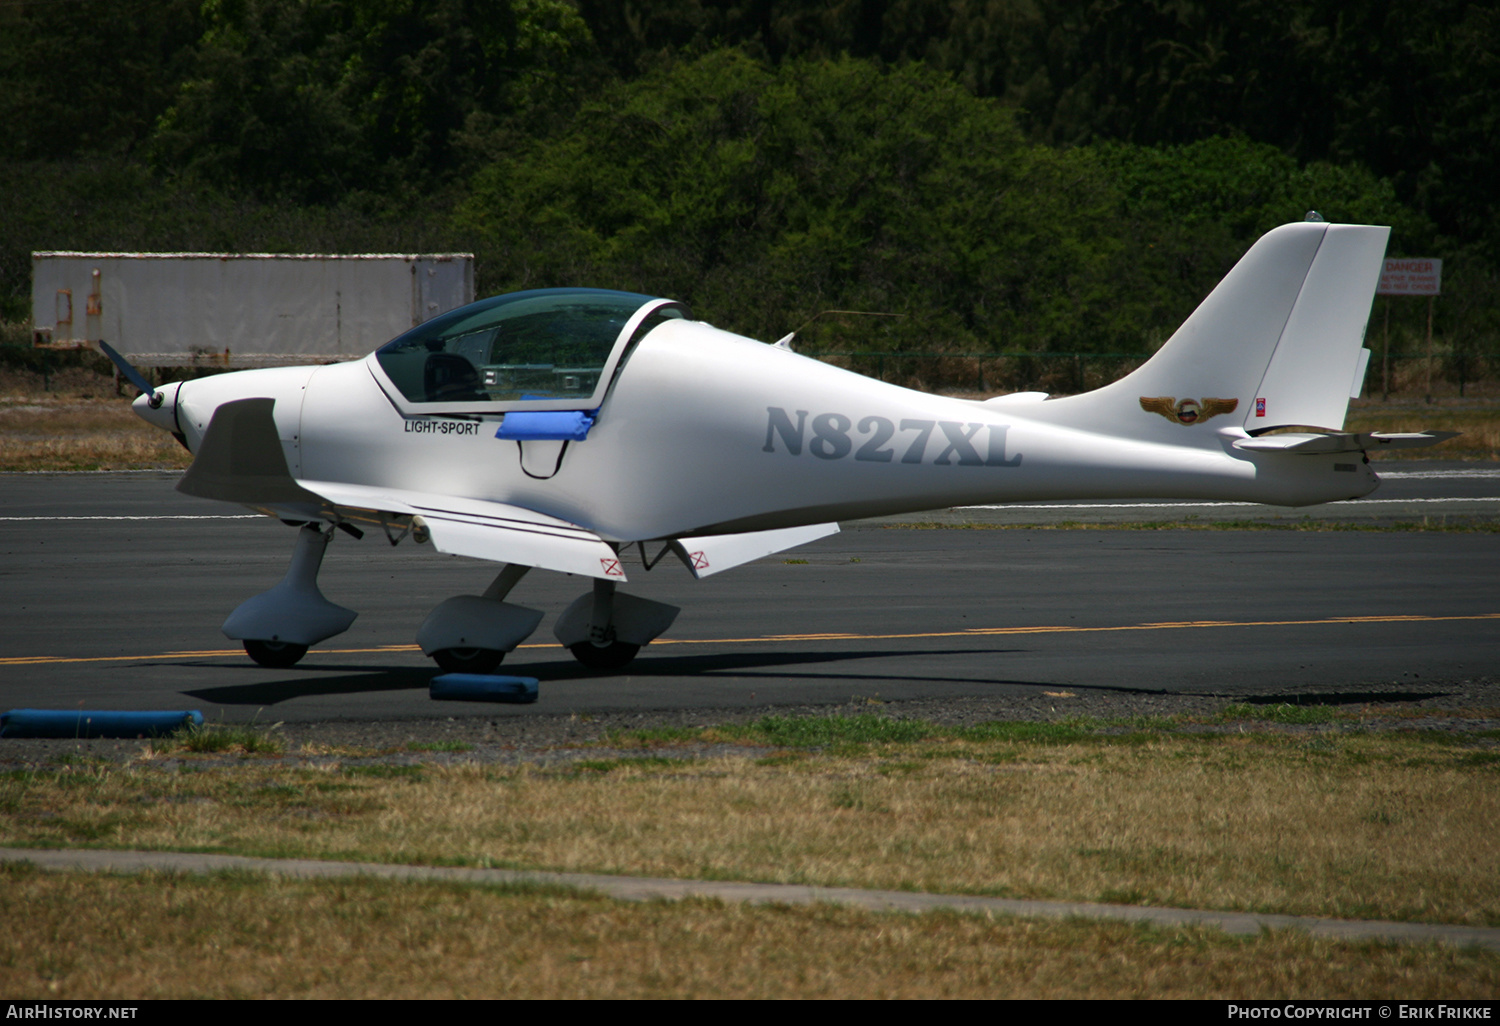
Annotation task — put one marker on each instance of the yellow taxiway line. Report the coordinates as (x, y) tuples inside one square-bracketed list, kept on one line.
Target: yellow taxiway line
[(969, 632)]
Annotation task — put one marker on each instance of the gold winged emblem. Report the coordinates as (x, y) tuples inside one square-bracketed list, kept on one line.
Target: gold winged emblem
[(1187, 411)]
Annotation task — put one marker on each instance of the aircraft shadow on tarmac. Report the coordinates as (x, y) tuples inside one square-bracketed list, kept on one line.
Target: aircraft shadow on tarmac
[(274, 691), (781, 665), (709, 668)]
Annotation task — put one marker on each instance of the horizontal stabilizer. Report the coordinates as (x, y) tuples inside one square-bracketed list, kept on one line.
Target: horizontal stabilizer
[(709, 554), (1323, 443)]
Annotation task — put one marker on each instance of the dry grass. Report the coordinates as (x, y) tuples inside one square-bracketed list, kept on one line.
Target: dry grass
[(1397, 826), (74, 420), (73, 433), (1478, 424), (242, 936)]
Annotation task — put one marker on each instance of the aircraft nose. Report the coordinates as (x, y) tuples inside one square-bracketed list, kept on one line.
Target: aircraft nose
[(160, 408)]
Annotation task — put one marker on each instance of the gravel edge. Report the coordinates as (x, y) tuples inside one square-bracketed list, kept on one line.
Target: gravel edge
[(1468, 706)]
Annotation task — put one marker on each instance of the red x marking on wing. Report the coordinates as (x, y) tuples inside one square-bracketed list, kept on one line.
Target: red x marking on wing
[(700, 561), (612, 568)]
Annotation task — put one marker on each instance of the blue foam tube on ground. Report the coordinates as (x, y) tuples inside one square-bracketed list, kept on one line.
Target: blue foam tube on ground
[(84, 723), (478, 687)]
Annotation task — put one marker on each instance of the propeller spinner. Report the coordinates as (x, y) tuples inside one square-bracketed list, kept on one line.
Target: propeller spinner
[(152, 405)]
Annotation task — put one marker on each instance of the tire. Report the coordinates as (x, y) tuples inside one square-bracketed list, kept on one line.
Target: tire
[(277, 655), (468, 660), (614, 656)]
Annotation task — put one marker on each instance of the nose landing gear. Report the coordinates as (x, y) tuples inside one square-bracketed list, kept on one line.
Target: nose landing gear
[(278, 625)]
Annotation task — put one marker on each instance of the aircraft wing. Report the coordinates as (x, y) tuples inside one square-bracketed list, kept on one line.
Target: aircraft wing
[(241, 460), (474, 527)]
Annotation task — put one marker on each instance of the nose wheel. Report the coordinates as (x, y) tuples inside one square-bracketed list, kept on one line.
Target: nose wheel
[(277, 655)]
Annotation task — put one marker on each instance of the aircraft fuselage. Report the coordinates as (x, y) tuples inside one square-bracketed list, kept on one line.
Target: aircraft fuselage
[(705, 432)]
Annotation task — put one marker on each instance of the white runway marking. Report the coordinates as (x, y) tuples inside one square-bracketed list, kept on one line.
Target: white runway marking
[(1439, 475)]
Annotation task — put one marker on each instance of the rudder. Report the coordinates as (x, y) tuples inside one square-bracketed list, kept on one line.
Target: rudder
[(1319, 362)]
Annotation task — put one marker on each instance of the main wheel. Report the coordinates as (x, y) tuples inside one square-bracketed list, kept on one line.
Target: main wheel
[(278, 655), (607, 657), (468, 660)]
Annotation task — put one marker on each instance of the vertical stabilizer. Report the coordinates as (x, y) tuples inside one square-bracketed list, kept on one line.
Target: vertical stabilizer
[(1278, 342)]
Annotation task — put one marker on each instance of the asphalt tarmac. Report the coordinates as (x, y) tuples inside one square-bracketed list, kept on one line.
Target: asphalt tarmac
[(113, 587)]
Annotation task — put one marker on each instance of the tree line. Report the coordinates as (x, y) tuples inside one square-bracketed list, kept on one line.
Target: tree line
[(1043, 175)]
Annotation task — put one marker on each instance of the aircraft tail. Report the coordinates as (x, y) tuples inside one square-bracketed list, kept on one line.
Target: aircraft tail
[(1279, 342)]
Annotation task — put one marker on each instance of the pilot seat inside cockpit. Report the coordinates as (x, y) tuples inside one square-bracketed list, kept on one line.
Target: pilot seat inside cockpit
[(451, 378)]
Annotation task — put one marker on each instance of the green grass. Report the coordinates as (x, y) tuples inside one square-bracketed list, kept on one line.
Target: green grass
[(634, 762), (823, 731), (651, 737), (218, 739), (850, 733), (1288, 714)]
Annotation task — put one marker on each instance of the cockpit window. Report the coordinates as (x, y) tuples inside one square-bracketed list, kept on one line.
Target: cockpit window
[(543, 349)]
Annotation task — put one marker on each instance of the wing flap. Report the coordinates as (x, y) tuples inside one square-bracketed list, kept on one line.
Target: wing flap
[(708, 554), (481, 529)]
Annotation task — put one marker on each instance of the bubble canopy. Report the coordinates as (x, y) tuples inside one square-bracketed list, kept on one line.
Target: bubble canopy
[(545, 349)]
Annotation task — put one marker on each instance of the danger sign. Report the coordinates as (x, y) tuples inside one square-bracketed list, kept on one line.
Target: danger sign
[(1413, 276)]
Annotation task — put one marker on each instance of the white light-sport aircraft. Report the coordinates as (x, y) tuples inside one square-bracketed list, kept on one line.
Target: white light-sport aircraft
[(556, 427)]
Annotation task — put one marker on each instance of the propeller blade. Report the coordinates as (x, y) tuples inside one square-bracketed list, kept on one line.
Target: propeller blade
[(130, 374)]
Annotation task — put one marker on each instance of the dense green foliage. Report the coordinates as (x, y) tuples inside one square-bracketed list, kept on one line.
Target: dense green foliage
[(763, 197), (1065, 175), (1408, 91)]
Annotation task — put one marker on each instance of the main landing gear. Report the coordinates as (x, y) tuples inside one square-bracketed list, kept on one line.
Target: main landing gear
[(277, 655), (473, 633), (604, 629), (614, 655), (468, 660)]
